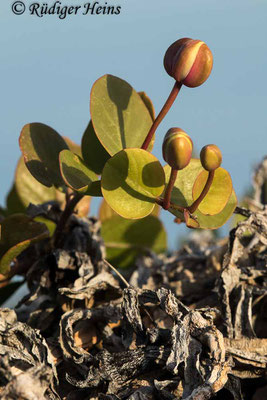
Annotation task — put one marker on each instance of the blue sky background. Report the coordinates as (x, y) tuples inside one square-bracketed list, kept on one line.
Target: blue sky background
[(48, 66)]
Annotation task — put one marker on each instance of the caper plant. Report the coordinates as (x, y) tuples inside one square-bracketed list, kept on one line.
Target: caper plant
[(115, 161)]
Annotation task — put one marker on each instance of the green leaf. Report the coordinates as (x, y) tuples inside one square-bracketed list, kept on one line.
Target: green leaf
[(51, 226), (125, 239), (75, 173), (41, 146), (14, 203), (74, 147), (217, 220), (218, 194), (131, 181), (182, 196), (29, 190), (148, 103), (94, 154), (95, 189), (106, 212), (17, 233), (156, 211), (119, 116), (3, 212)]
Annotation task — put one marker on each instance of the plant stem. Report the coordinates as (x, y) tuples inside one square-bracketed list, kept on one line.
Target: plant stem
[(204, 192), (175, 90), (117, 272), (168, 192), (69, 208), (160, 201)]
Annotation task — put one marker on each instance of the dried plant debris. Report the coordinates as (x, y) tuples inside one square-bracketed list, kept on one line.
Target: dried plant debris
[(27, 370), (191, 325)]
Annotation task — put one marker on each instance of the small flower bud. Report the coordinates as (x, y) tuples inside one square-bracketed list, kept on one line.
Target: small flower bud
[(177, 148), (189, 62), (210, 157)]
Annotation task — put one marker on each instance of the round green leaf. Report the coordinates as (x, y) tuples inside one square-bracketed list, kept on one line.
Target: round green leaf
[(182, 196), (74, 147), (217, 220), (94, 154), (131, 180), (29, 189), (17, 233), (119, 115), (51, 226), (105, 211), (148, 103), (75, 172), (41, 146), (218, 194), (125, 239), (14, 203), (156, 211), (3, 212)]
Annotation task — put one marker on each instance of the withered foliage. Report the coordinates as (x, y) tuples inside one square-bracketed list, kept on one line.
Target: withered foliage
[(191, 325)]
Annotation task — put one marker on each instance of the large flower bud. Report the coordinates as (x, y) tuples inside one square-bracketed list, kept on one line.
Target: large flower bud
[(177, 148), (210, 157), (189, 62)]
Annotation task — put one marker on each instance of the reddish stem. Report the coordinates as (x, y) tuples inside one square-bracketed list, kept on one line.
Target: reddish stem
[(175, 90), (69, 208), (160, 201), (204, 192), (168, 192)]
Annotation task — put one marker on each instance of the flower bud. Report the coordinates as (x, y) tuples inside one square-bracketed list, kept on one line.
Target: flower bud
[(189, 62), (177, 148), (210, 157)]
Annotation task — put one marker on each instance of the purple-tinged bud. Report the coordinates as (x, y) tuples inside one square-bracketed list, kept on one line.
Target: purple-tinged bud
[(189, 62), (210, 157), (177, 148)]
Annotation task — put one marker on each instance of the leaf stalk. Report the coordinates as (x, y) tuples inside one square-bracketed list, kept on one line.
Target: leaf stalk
[(168, 192), (169, 102), (203, 194), (71, 203)]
